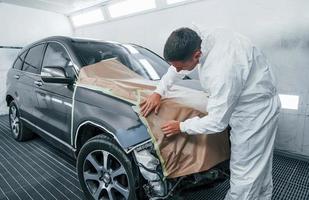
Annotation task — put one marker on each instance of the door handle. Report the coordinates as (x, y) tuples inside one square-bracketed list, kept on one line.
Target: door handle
[(38, 83), (17, 77)]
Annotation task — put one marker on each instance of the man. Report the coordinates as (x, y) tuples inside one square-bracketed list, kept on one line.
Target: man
[(242, 94)]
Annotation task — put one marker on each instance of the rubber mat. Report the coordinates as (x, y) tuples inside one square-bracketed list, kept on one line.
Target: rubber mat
[(35, 170)]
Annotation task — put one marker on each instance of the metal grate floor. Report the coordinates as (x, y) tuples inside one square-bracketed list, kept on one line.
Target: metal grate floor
[(290, 177), (35, 170)]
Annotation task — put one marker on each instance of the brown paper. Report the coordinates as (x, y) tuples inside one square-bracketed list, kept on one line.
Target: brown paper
[(181, 154)]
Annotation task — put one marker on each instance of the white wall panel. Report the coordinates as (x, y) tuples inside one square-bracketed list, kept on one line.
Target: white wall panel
[(20, 26)]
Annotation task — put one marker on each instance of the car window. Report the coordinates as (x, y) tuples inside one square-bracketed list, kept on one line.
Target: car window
[(56, 55), (146, 65), (18, 64), (33, 59), (149, 60), (93, 52)]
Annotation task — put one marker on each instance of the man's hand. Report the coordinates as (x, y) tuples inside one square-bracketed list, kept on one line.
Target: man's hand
[(171, 128), (152, 102)]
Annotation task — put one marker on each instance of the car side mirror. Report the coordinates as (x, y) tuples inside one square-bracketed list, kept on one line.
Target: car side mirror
[(55, 74)]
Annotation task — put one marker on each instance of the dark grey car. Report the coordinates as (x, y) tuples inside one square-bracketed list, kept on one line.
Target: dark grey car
[(102, 132)]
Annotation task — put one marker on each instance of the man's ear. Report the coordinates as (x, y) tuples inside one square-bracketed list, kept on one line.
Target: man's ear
[(197, 54)]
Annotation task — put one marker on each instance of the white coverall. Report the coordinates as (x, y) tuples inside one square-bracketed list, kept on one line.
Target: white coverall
[(242, 94)]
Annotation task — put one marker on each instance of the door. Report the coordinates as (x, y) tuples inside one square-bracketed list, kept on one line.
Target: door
[(26, 81), (14, 83), (54, 107)]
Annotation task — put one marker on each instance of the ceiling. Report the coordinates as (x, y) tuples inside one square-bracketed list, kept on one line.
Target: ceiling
[(59, 6)]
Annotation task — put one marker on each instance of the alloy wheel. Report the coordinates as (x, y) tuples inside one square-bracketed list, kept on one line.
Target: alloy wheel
[(105, 176), (14, 119)]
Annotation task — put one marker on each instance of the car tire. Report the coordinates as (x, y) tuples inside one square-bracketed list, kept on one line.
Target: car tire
[(19, 131), (105, 171)]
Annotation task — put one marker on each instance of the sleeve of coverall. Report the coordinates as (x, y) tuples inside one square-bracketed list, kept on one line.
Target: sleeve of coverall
[(225, 86), (169, 79)]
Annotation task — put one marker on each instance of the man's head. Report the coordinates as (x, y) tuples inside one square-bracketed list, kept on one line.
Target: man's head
[(183, 49)]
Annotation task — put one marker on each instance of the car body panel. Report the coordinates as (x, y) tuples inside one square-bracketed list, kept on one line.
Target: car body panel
[(56, 100), (24, 94), (116, 116)]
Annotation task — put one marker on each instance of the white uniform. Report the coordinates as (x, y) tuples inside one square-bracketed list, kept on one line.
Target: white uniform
[(243, 95)]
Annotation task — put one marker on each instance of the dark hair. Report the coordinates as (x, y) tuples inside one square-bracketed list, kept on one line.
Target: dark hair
[(181, 44)]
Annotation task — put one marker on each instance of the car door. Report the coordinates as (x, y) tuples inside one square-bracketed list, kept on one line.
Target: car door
[(14, 83), (53, 110), (26, 81)]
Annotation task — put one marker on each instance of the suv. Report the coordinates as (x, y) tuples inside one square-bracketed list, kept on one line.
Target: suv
[(95, 128)]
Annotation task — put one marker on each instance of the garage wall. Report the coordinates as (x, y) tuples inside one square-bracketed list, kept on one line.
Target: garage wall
[(279, 27), (20, 26), (265, 22)]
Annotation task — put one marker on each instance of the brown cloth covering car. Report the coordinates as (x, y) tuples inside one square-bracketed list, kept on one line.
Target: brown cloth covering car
[(181, 154)]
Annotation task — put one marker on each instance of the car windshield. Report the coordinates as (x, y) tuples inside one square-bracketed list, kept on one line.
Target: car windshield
[(138, 59)]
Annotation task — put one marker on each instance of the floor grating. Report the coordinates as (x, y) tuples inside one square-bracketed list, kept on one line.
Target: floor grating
[(35, 170)]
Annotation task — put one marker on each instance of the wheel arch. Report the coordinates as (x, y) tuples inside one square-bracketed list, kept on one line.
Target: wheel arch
[(87, 130)]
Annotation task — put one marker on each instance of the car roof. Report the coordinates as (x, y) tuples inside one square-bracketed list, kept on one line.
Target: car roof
[(68, 40)]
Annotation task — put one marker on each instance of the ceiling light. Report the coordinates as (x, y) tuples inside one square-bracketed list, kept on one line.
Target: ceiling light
[(174, 1), (289, 101), (130, 6), (87, 17)]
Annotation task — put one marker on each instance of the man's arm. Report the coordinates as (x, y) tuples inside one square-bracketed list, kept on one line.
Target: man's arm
[(168, 80), (225, 86), (153, 101), (224, 93), (221, 103)]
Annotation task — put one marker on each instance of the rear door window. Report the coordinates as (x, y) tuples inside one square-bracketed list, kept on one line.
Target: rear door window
[(33, 59), (18, 64)]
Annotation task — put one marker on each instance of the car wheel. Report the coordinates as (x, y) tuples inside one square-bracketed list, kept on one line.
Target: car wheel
[(105, 171), (18, 130)]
